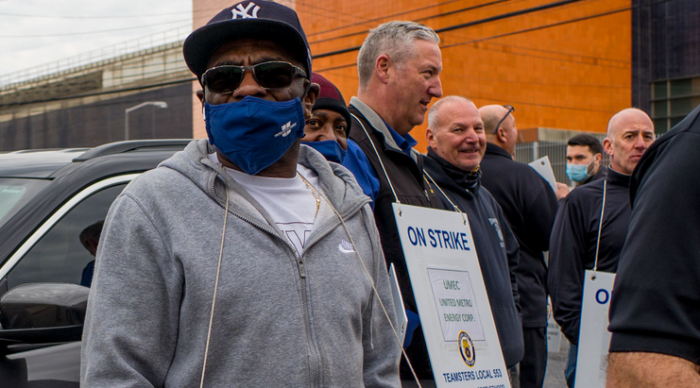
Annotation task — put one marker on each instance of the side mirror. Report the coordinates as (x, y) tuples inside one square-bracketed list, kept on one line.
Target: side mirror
[(43, 313)]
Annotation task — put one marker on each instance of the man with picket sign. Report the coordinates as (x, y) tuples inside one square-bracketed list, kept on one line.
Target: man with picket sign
[(590, 229)]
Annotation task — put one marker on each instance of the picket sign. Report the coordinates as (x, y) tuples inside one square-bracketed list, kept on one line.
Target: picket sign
[(594, 337), (401, 318), (544, 168), (451, 298)]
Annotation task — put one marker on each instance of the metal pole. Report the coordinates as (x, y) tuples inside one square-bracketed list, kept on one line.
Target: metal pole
[(126, 125), (535, 153), (160, 104)]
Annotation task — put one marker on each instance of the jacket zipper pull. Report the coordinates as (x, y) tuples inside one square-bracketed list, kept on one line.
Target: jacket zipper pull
[(302, 270), (425, 192)]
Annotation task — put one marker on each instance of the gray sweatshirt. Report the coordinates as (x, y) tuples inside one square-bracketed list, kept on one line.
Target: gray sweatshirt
[(279, 320)]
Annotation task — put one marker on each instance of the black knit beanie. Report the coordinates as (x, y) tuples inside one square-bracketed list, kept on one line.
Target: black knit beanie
[(331, 99)]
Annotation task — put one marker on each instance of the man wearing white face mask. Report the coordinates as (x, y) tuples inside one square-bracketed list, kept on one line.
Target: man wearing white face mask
[(579, 234), (246, 260), (584, 154)]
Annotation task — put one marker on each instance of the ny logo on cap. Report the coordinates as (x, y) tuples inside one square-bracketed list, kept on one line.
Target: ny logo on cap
[(243, 13)]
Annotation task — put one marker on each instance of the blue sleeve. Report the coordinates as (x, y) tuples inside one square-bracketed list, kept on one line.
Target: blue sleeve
[(86, 279), (356, 161)]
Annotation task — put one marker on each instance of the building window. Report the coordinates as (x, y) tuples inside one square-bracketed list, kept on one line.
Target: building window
[(672, 100)]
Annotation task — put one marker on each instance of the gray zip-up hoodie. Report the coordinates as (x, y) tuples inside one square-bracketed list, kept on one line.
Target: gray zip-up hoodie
[(279, 320)]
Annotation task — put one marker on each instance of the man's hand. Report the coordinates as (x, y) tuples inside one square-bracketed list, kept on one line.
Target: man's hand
[(562, 190), (651, 370)]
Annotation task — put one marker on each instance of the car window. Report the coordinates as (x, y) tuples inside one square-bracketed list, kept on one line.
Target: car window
[(14, 193), (64, 252)]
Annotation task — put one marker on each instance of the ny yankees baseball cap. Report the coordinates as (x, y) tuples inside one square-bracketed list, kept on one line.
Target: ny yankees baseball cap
[(258, 19)]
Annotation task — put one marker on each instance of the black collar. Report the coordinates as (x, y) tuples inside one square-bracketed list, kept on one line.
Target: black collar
[(467, 180), (497, 150), (618, 179)]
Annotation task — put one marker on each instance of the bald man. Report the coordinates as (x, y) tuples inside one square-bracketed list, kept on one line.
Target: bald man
[(499, 122), (529, 205), (574, 240), (457, 144)]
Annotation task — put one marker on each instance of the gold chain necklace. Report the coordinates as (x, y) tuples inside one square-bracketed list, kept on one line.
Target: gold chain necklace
[(313, 191)]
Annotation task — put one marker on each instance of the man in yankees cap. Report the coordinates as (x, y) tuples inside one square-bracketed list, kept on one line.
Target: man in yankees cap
[(247, 260)]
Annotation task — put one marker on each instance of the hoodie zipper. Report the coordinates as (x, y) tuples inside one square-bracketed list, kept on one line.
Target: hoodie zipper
[(318, 236), (315, 354)]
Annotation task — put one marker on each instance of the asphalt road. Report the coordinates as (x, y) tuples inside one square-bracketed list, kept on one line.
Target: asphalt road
[(554, 377)]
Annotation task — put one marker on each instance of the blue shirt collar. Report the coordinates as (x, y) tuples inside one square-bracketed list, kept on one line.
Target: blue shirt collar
[(405, 142)]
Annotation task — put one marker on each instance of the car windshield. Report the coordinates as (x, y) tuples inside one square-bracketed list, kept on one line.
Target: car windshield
[(15, 193)]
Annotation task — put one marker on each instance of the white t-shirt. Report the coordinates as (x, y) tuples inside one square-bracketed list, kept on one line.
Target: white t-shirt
[(290, 203)]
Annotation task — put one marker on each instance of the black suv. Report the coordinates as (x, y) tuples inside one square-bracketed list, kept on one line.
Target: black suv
[(47, 199)]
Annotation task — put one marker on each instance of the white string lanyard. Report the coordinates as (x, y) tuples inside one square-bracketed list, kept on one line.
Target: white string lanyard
[(458, 210), (216, 286), (600, 228), (386, 175)]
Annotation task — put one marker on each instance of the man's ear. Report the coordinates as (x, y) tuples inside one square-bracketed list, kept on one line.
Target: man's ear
[(597, 158), (502, 135), (430, 137), (607, 146), (200, 95), (310, 98), (383, 67)]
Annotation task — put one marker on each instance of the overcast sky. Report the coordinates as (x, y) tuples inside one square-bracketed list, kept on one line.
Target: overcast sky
[(36, 32)]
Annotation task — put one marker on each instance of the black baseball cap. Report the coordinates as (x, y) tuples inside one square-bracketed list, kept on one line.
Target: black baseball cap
[(259, 19)]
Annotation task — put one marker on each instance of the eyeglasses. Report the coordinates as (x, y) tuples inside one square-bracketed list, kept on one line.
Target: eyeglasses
[(510, 110), (226, 79)]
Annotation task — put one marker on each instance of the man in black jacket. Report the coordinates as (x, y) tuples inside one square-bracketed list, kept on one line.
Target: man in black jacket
[(578, 234), (529, 205), (399, 65), (655, 309), (457, 143)]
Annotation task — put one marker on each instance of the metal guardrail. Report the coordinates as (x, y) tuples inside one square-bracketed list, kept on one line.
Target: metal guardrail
[(94, 56)]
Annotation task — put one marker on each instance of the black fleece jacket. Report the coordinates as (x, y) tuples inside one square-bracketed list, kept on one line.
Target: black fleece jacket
[(574, 239), (529, 205)]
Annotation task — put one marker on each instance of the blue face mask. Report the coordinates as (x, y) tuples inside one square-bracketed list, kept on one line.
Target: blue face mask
[(577, 172), (254, 133), (330, 149)]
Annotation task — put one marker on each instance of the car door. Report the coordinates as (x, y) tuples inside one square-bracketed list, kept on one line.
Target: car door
[(56, 253)]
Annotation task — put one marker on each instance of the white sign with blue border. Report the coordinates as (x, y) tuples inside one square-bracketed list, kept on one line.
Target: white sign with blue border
[(594, 337), (451, 298)]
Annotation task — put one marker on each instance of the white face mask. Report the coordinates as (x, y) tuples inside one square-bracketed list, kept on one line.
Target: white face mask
[(579, 172)]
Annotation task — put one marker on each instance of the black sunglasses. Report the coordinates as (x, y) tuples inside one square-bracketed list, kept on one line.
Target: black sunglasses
[(226, 79), (510, 110)]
